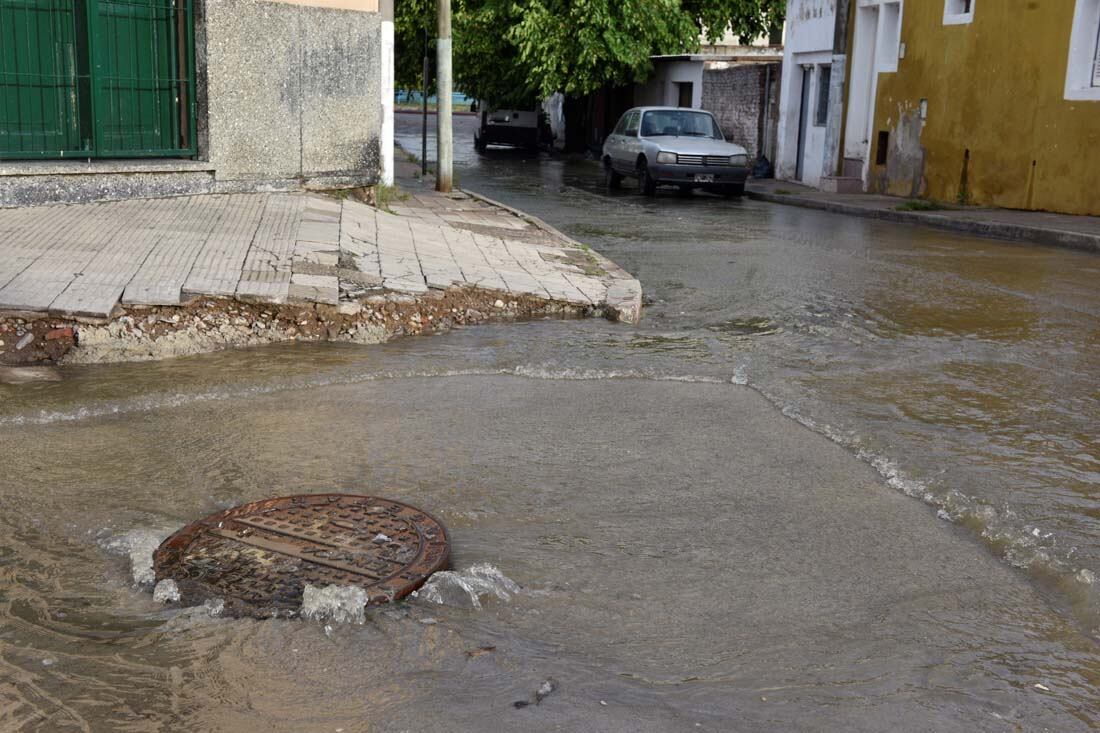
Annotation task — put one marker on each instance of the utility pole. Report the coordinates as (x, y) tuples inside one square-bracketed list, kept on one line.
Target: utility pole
[(427, 70), (444, 141), (386, 6)]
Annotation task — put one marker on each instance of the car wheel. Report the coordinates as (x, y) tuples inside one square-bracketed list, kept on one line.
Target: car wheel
[(612, 179), (479, 143), (737, 189), (646, 184)]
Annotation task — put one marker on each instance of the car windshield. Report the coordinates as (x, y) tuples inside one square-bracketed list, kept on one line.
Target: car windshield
[(677, 122)]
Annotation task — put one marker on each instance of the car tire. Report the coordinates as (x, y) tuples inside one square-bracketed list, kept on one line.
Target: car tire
[(611, 179), (479, 143), (736, 189), (646, 184)]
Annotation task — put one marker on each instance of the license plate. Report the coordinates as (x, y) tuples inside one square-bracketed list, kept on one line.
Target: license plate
[(704, 178)]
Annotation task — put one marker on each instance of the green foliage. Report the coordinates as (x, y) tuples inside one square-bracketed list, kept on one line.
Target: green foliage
[(410, 19), (487, 63), (509, 52), (577, 46), (746, 18)]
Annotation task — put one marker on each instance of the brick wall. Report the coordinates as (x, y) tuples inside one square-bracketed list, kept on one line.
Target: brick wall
[(735, 95)]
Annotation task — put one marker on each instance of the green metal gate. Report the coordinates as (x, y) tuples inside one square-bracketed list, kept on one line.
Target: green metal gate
[(96, 78)]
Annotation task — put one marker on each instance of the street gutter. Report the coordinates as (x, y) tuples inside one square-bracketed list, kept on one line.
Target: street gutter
[(943, 220)]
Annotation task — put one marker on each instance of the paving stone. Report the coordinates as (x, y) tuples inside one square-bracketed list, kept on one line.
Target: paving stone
[(319, 288)]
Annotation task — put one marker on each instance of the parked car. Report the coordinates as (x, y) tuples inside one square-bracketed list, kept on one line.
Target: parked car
[(674, 146), (520, 128)]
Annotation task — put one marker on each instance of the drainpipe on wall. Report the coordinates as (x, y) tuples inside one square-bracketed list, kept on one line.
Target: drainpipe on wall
[(830, 165), (385, 142)]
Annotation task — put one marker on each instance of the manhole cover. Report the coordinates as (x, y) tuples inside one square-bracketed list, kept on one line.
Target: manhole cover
[(259, 557)]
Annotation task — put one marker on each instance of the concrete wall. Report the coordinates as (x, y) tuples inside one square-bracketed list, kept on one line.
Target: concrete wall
[(734, 93), (997, 113), (661, 90), (809, 43), (289, 93)]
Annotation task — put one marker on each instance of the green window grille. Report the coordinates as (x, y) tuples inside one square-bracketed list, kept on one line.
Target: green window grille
[(96, 78)]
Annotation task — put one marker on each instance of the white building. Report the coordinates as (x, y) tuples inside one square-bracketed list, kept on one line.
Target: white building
[(804, 92)]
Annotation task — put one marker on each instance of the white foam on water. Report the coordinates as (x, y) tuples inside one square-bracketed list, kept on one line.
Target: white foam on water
[(343, 604), (1023, 546), (166, 591), (166, 401), (465, 588), (138, 546)]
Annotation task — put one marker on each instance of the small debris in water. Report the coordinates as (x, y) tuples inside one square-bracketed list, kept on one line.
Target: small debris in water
[(166, 591), (1042, 687), (428, 621), (381, 538), (49, 662), (544, 690), (480, 650)]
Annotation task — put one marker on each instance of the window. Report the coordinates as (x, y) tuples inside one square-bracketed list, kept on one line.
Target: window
[(632, 124), (1083, 66), (676, 123), (620, 129), (96, 79), (824, 78), (957, 12)]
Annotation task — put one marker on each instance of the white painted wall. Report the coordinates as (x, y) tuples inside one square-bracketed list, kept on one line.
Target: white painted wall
[(875, 50), (809, 41), (661, 90)]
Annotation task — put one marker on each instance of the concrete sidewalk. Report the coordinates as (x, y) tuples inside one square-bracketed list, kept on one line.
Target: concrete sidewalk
[(1062, 230), (88, 259)]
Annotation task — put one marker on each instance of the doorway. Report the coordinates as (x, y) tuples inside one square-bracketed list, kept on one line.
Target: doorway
[(96, 79), (685, 91), (803, 122)]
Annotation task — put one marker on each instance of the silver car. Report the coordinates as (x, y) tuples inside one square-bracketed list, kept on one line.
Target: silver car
[(673, 146)]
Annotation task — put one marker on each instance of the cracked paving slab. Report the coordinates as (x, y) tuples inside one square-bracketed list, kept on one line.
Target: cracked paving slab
[(86, 259)]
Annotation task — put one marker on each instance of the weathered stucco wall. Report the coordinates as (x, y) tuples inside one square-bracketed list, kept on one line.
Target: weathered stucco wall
[(998, 129), (290, 94)]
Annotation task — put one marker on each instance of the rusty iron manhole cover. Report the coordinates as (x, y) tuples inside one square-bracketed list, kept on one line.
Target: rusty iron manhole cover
[(258, 557)]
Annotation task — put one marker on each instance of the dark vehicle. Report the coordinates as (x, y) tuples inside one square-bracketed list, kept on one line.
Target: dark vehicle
[(517, 128)]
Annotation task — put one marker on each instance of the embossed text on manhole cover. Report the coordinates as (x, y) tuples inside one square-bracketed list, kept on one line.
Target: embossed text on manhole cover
[(258, 557)]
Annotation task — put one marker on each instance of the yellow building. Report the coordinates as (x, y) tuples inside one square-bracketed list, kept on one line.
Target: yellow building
[(985, 102)]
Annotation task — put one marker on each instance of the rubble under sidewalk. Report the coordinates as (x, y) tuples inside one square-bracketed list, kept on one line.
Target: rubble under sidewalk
[(149, 279)]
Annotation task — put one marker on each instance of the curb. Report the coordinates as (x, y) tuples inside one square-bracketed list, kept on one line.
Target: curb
[(992, 229), (624, 297)]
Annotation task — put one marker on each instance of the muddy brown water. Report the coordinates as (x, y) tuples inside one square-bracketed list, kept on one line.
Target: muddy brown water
[(842, 476)]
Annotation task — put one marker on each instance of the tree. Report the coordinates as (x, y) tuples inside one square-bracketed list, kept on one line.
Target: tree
[(508, 52)]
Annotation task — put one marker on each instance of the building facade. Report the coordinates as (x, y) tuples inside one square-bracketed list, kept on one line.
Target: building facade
[(110, 99), (978, 102), (805, 91)]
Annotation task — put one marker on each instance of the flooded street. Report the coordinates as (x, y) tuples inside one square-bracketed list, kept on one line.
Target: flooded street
[(844, 475)]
